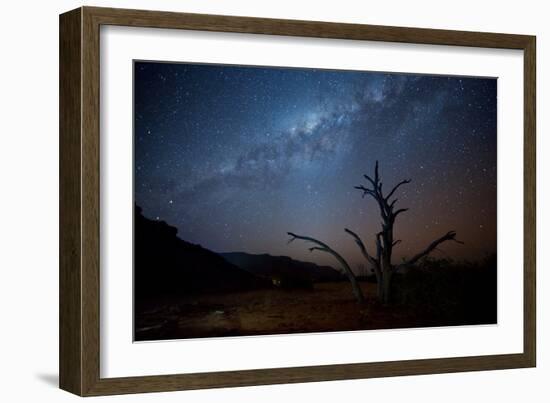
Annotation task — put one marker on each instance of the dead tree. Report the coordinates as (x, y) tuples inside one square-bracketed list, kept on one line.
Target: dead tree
[(323, 247), (382, 262)]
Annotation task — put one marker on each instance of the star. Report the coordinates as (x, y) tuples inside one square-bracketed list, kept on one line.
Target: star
[(267, 150)]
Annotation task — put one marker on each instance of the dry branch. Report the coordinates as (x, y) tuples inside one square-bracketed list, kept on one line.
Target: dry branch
[(323, 247), (362, 247), (403, 182), (449, 236)]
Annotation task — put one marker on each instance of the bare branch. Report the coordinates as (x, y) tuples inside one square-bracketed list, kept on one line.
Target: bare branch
[(362, 247), (403, 182), (384, 211), (377, 186), (396, 242), (449, 236), (379, 247), (401, 210), (372, 181), (365, 191), (323, 247), (307, 239)]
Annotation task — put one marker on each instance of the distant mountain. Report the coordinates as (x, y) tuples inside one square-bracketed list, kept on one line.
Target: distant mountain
[(167, 265), (282, 270)]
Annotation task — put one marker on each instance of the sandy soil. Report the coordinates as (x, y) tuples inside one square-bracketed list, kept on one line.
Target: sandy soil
[(328, 307)]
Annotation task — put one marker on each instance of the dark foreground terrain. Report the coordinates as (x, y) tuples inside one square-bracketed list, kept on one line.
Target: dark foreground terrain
[(327, 307), (182, 290)]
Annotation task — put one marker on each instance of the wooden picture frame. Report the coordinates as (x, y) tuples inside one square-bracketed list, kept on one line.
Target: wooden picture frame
[(79, 201)]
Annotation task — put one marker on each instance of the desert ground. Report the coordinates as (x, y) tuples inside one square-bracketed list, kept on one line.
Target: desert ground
[(327, 307)]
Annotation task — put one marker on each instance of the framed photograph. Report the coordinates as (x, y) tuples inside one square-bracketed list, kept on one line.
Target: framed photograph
[(249, 201)]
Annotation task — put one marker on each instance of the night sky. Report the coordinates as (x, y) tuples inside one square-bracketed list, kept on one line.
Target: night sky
[(235, 157)]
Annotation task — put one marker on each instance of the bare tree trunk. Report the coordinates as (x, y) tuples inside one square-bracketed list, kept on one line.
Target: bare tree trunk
[(384, 239), (386, 287), (380, 289), (382, 263)]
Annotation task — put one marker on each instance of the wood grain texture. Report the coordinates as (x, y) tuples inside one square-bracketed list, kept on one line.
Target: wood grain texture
[(161, 383), (80, 187), (90, 202), (530, 200), (70, 106), (317, 29)]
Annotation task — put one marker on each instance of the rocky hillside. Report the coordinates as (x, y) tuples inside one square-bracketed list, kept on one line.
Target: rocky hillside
[(167, 265)]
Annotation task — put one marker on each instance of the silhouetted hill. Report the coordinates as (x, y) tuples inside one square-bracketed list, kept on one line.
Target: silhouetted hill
[(283, 269), (166, 265)]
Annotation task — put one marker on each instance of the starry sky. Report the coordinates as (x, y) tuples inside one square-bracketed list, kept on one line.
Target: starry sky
[(237, 156)]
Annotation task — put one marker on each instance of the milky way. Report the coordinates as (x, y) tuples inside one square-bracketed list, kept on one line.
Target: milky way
[(235, 156)]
